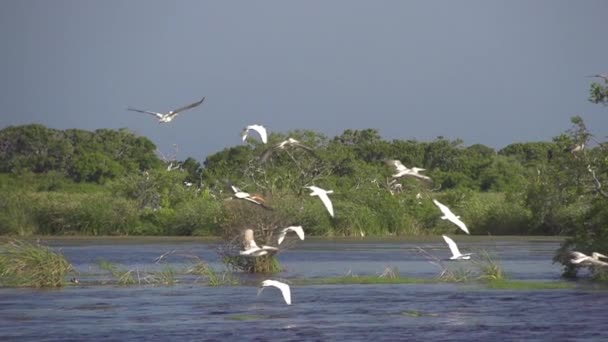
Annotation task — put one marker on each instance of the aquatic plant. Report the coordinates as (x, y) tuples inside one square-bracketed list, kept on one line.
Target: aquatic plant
[(25, 264), (202, 269), (123, 277), (488, 267), (505, 284)]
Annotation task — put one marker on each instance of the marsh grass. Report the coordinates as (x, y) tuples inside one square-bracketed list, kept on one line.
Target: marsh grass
[(202, 269), (23, 264), (504, 284), (489, 268), (123, 277)]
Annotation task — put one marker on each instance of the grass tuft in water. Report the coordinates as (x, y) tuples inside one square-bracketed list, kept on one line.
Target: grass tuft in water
[(488, 267), (23, 264), (123, 277), (202, 269)]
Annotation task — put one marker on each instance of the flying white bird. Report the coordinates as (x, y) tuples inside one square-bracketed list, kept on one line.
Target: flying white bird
[(583, 259), (251, 248), (258, 128), (316, 191), (284, 144), (401, 170), (396, 164), (167, 117), (296, 229), (257, 199), (281, 286), (448, 215), (456, 255)]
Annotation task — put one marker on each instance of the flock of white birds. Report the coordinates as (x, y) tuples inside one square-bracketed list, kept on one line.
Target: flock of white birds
[(250, 247)]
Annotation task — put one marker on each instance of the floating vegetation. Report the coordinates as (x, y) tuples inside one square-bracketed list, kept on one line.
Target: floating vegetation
[(23, 264), (504, 284)]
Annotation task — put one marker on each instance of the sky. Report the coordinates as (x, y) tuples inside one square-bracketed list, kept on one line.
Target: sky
[(488, 72)]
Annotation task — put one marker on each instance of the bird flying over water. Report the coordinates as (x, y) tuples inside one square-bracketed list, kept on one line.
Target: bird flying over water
[(285, 290), (316, 191), (448, 215), (261, 130), (585, 260), (296, 229), (251, 248), (456, 255), (167, 117)]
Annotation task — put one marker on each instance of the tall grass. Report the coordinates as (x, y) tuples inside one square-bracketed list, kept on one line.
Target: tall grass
[(32, 265)]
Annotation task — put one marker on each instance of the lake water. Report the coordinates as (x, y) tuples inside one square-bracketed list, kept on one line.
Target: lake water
[(191, 311)]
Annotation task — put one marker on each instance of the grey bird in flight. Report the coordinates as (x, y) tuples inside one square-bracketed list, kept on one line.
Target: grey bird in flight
[(167, 117)]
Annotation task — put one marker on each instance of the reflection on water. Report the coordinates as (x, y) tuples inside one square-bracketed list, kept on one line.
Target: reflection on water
[(332, 312)]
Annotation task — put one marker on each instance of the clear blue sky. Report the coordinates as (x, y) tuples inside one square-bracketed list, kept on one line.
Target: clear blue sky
[(490, 72)]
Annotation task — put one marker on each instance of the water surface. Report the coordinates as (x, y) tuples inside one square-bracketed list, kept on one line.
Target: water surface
[(192, 311)]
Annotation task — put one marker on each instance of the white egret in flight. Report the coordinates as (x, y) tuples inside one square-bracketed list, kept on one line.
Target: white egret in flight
[(401, 170), (167, 117), (316, 191), (448, 215), (583, 259), (257, 199), (284, 144), (258, 128), (456, 255), (251, 248), (281, 286), (296, 229)]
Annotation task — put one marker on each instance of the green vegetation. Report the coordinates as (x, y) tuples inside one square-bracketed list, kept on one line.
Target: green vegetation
[(527, 285), (24, 264), (111, 182)]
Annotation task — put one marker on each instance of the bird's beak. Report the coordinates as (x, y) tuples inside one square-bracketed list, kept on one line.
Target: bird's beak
[(260, 289), (602, 256)]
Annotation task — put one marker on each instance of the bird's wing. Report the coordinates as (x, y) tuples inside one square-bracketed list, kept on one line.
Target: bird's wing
[(244, 134), (452, 245), (261, 131), (252, 200), (158, 115), (445, 210), (299, 231), (192, 105), (235, 189), (285, 290), (396, 164), (327, 202), (419, 176), (250, 250), (459, 223), (282, 234)]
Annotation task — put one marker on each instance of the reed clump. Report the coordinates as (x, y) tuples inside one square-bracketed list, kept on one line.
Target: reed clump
[(24, 264)]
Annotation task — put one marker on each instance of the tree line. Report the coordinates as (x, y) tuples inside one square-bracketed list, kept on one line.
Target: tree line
[(115, 182)]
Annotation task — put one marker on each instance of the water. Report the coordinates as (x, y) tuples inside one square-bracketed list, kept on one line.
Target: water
[(194, 312)]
